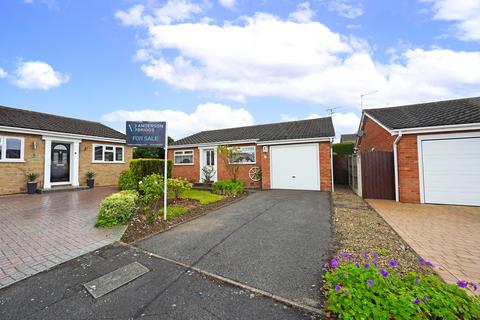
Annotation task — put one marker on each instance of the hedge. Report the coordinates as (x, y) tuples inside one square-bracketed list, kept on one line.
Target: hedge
[(228, 187), (140, 168), (343, 148), (117, 208)]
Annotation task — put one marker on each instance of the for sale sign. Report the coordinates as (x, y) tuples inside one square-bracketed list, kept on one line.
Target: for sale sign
[(146, 134)]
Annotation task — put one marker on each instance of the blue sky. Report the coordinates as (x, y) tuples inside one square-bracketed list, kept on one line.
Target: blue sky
[(211, 64)]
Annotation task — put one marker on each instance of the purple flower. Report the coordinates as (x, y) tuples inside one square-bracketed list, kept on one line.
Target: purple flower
[(326, 265), (345, 255), (375, 263), (366, 265), (365, 255), (429, 264), (393, 263), (375, 254), (421, 261), (462, 284), (424, 298), (334, 263), (417, 281), (357, 265), (474, 286), (338, 287), (384, 273), (370, 283), (416, 301), (345, 291)]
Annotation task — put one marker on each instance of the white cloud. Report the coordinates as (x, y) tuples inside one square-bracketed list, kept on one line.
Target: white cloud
[(206, 116), (264, 55), (346, 8), (303, 13), (227, 3), (344, 123), (3, 73), (38, 75), (172, 11), (465, 13)]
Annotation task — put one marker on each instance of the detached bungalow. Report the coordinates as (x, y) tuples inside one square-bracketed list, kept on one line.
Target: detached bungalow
[(291, 155), (435, 146), (61, 150)]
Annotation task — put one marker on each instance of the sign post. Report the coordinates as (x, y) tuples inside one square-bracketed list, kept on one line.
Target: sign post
[(149, 134)]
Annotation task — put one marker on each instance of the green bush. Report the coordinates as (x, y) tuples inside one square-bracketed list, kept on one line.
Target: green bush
[(151, 187), (362, 290), (117, 208), (126, 181), (227, 187), (140, 168), (178, 186), (343, 148)]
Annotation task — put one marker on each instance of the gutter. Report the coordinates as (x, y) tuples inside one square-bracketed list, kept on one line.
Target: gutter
[(395, 163)]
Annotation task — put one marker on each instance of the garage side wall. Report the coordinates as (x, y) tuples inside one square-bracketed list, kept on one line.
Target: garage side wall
[(408, 181), (375, 137)]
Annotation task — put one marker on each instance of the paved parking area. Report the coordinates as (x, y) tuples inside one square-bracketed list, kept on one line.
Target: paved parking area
[(273, 240), (448, 236), (40, 231)]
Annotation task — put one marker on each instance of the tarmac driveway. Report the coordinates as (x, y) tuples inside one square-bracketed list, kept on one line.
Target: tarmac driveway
[(273, 240)]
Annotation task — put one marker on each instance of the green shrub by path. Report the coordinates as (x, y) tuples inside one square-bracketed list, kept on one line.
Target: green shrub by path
[(126, 181), (203, 196), (173, 211), (362, 290), (178, 186), (343, 148), (151, 187), (140, 168), (117, 208), (227, 187)]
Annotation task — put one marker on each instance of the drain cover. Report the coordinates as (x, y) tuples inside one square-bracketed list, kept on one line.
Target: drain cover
[(115, 279)]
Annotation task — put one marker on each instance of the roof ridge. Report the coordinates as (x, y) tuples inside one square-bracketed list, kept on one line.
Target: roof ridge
[(422, 103)]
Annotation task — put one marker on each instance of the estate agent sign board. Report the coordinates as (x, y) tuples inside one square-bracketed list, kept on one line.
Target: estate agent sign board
[(146, 134)]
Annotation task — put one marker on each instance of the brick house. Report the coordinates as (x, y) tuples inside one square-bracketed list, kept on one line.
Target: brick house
[(60, 149), (291, 155), (435, 146)]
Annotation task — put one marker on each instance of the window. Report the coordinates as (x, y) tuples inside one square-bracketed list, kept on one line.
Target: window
[(11, 149), (244, 155), (184, 157), (106, 153)]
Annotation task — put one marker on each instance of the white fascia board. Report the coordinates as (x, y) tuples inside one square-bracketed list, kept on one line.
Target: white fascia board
[(59, 134), (449, 128), (379, 123), (212, 144), (290, 141)]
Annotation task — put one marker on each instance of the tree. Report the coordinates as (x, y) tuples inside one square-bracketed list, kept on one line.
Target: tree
[(227, 154), (150, 153)]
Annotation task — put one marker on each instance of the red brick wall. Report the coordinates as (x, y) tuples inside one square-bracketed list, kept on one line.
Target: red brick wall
[(243, 170), (375, 137), (189, 172), (325, 166)]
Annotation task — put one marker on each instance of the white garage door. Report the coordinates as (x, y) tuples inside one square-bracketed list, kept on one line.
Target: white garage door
[(295, 167), (451, 171)]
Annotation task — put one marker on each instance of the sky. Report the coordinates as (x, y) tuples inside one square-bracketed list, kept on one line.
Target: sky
[(211, 64)]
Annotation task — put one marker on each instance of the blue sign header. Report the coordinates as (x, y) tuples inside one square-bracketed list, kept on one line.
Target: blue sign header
[(146, 134)]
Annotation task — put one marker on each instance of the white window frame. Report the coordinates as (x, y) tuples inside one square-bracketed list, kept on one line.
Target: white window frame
[(182, 153), (4, 149), (103, 153), (240, 151)]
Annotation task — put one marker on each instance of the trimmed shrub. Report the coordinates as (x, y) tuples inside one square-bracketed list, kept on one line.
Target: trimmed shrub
[(152, 187), (228, 187), (140, 168), (178, 186), (126, 181), (363, 290), (343, 148), (117, 208)]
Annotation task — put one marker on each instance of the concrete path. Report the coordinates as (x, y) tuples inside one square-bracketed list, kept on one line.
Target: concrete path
[(38, 232), (273, 240), (167, 291), (448, 236)]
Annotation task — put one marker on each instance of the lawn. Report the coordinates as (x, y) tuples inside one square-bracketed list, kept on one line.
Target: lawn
[(203, 196), (174, 211)]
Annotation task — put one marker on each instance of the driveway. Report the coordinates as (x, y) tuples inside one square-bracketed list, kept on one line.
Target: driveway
[(448, 236), (40, 231), (272, 240)]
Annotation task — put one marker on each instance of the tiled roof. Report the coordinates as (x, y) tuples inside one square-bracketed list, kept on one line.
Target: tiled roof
[(440, 113), (19, 118), (304, 129)]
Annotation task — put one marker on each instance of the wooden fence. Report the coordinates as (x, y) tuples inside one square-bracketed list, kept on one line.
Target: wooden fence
[(378, 180)]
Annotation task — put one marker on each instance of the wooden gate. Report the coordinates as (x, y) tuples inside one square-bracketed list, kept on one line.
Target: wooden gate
[(378, 180)]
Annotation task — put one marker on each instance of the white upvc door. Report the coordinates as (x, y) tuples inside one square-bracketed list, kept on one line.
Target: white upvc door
[(208, 158), (295, 166), (450, 169)]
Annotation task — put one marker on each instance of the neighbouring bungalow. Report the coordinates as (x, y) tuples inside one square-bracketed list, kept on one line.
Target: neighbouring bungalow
[(435, 151), (290, 155), (60, 150), (348, 137)]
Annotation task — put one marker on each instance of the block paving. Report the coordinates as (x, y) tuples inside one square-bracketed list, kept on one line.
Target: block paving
[(38, 232)]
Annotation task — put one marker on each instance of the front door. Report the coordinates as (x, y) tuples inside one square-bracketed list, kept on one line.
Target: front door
[(208, 165), (60, 164)]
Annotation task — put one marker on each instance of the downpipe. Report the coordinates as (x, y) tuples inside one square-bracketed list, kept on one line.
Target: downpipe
[(395, 164)]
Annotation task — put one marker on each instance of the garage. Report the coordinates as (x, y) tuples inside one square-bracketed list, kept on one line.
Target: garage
[(450, 169), (295, 167)]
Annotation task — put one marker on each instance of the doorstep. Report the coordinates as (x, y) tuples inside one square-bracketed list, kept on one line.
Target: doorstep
[(62, 189)]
